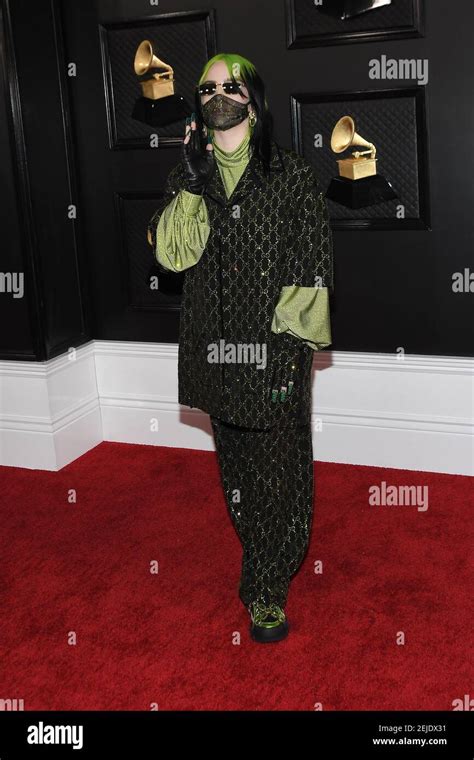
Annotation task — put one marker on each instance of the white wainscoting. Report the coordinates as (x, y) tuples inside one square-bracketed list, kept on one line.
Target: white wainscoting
[(368, 409), (49, 411)]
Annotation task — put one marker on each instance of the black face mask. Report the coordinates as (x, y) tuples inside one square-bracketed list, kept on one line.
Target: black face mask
[(221, 112)]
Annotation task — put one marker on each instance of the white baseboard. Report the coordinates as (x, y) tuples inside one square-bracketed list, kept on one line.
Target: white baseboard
[(368, 409), (49, 411)]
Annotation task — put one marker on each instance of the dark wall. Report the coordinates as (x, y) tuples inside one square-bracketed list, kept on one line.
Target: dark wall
[(14, 312), (39, 237), (392, 288)]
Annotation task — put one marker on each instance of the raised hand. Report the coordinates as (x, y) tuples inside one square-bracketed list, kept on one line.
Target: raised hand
[(199, 165)]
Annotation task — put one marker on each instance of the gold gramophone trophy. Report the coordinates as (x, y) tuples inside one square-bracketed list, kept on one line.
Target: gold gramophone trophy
[(159, 104), (358, 184), (146, 65)]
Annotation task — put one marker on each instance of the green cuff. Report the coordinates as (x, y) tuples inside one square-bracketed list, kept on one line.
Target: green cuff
[(181, 237), (304, 312), (190, 202)]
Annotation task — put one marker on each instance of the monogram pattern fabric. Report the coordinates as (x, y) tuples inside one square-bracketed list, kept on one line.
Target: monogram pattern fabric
[(272, 470)]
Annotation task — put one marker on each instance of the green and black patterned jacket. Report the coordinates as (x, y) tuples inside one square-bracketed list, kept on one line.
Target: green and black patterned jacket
[(280, 237)]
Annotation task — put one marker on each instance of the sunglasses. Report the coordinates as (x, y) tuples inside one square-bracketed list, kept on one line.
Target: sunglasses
[(229, 87)]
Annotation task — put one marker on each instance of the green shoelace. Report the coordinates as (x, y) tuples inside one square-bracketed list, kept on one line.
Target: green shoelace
[(261, 612)]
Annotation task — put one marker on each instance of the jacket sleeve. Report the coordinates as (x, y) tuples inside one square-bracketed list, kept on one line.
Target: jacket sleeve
[(302, 309), (179, 228)]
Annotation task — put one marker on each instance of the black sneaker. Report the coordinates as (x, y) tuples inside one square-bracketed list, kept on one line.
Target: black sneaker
[(269, 622)]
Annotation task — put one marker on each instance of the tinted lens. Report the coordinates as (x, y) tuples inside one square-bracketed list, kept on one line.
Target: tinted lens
[(231, 88), (208, 88)]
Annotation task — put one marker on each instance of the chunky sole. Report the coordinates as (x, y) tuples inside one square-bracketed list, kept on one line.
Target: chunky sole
[(267, 635)]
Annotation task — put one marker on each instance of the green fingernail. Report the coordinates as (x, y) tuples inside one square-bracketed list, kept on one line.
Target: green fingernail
[(274, 395), (282, 395)]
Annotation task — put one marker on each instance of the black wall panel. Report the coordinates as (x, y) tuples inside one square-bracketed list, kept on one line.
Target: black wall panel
[(45, 174), (18, 340)]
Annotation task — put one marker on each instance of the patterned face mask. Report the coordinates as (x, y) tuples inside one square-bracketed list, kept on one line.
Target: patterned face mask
[(221, 112)]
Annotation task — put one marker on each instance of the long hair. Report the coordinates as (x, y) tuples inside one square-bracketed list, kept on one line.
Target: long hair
[(261, 135)]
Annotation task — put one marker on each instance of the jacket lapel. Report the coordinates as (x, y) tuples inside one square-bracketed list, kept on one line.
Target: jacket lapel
[(252, 177)]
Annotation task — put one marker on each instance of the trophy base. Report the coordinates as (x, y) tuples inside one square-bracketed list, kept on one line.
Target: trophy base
[(361, 192), (159, 113)]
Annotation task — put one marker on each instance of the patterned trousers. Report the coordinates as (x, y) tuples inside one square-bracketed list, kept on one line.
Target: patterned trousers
[(267, 479)]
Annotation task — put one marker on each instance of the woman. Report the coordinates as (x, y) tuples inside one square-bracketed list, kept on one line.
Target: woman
[(247, 221)]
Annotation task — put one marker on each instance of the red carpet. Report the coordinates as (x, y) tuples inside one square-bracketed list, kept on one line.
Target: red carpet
[(169, 638)]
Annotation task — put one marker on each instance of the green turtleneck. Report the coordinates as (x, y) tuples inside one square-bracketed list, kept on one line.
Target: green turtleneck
[(232, 163), (181, 237)]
